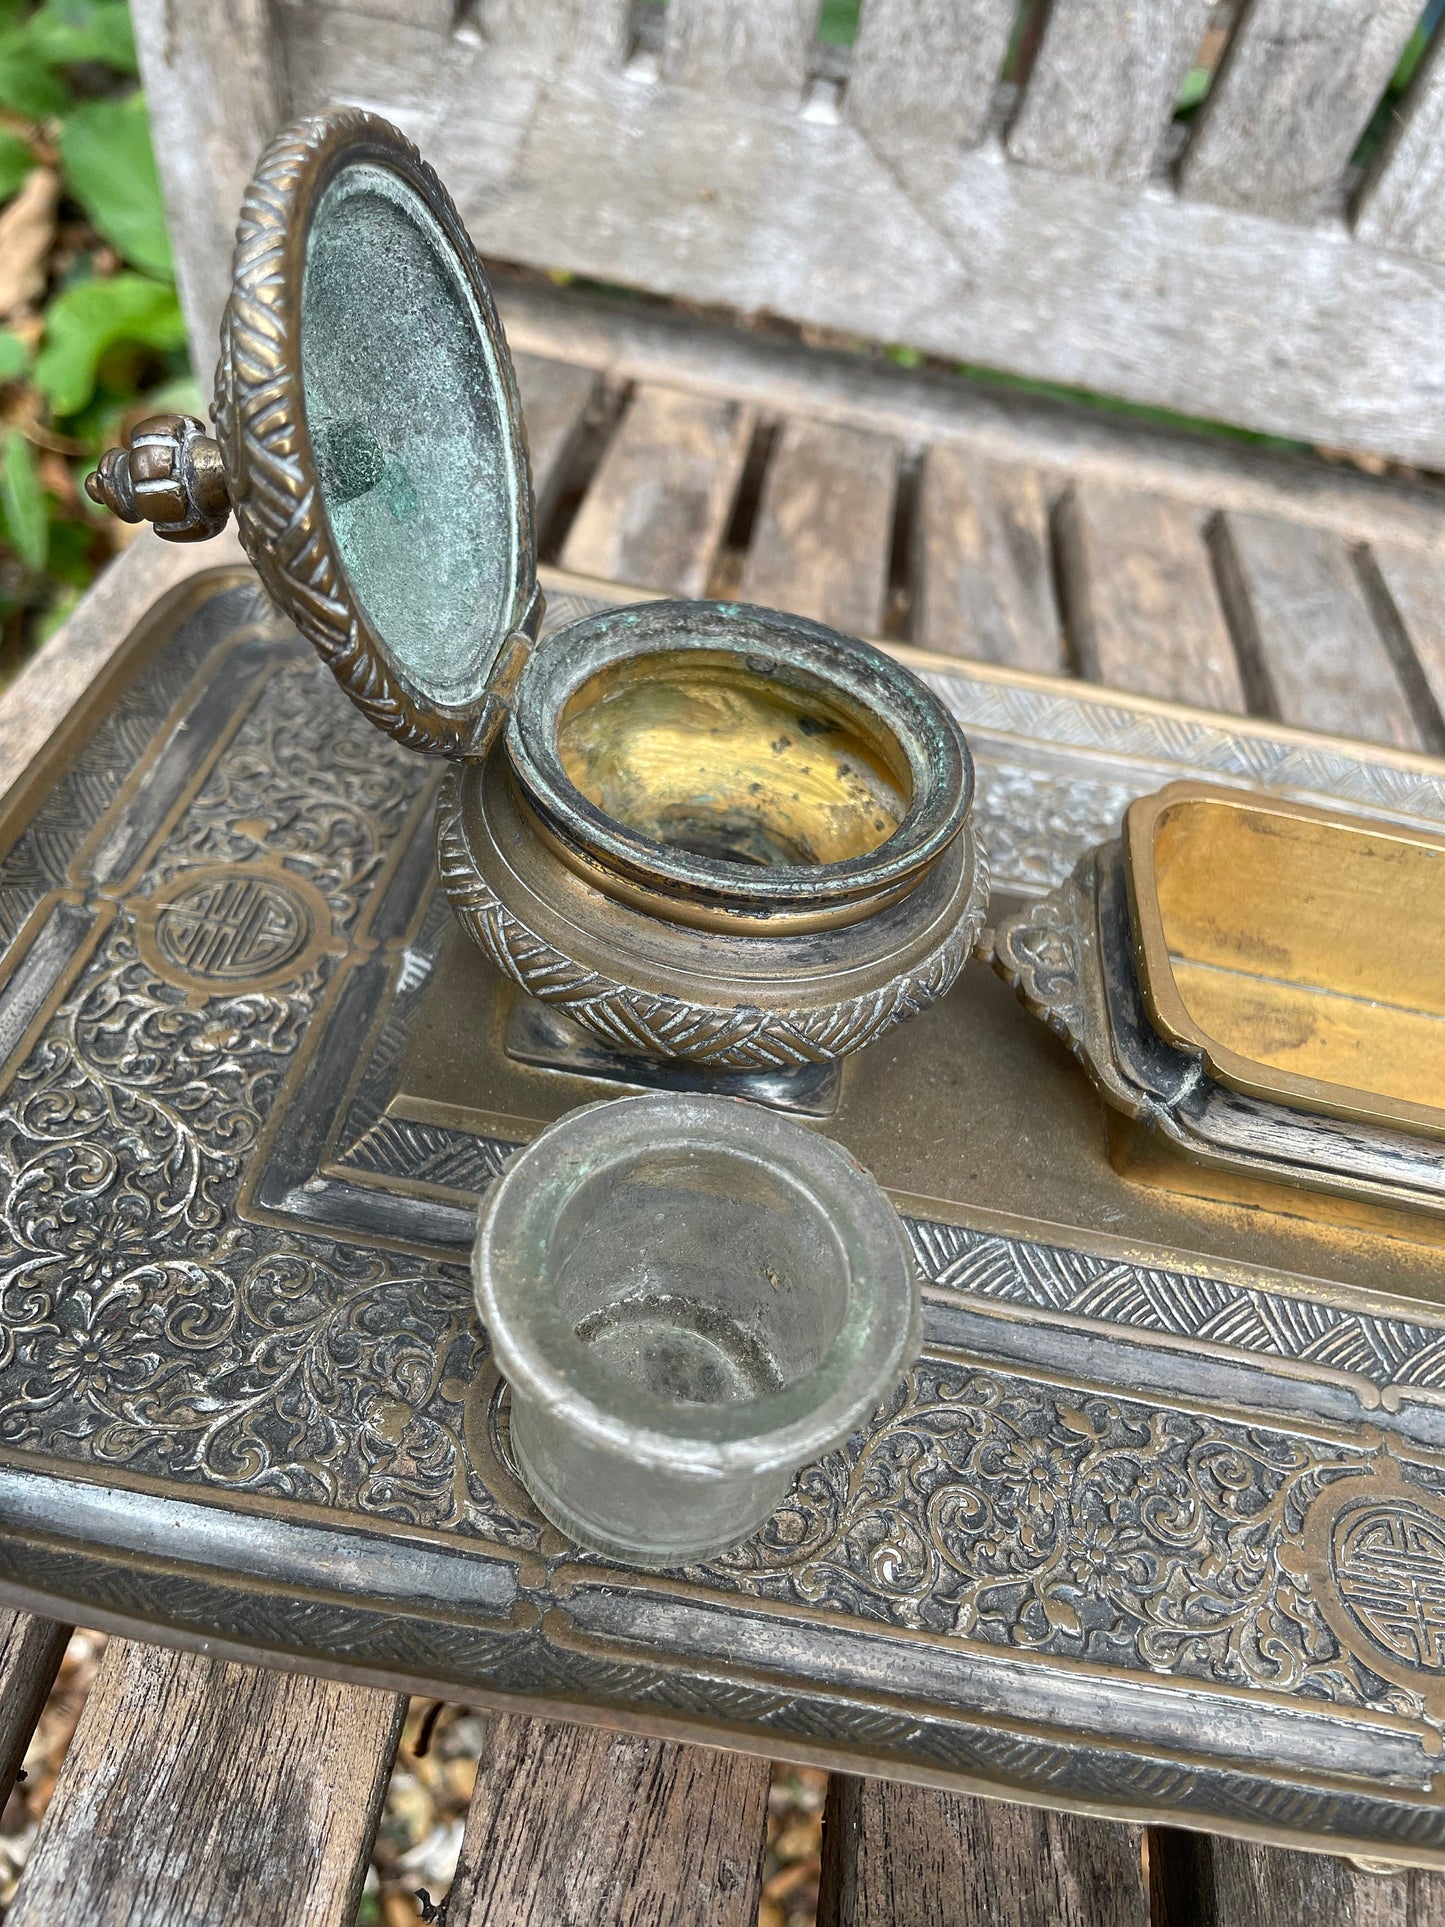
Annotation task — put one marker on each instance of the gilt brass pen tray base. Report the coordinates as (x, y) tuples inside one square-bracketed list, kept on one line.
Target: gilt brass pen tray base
[(1071, 958), (1155, 1529)]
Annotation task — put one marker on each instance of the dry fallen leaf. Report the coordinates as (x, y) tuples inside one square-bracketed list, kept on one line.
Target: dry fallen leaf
[(27, 228)]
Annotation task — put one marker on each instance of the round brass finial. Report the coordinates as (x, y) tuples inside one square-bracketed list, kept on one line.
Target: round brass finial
[(170, 475)]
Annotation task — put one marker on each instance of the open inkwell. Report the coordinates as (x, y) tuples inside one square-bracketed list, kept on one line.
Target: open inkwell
[(701, 830)]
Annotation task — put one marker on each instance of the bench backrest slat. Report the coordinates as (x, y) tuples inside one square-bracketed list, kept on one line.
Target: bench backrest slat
[(930, 65), (1103, 86), (1297, 88), (1061, 229), (757, 49), (1402, 204)]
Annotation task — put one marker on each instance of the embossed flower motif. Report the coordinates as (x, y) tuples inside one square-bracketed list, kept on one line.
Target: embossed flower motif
[(1094, 1559), (100, 1250), (1042, 1469), (89, 1355)]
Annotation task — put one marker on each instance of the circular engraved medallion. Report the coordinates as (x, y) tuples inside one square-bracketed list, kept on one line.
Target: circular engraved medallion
[(1388, 1563), (242, 928), (1374, 1553)]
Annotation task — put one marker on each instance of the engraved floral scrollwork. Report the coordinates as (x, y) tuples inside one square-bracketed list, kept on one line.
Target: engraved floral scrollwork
[(1038, 821), (141, 1324), (1087, 1527)]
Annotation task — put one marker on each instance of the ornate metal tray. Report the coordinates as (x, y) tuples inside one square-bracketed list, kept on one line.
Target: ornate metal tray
[(1156, 1528)]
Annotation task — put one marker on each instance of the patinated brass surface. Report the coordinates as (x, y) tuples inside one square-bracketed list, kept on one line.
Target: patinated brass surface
[(666, 942), (1300, 950), (169, 475), (973, 1114), (1117, 1543)]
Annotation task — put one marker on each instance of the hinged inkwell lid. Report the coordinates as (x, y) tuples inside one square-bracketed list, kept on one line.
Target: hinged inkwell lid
[(369, 427)]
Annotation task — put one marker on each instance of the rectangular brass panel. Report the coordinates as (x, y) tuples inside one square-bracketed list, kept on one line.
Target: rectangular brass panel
[(1301, 950)]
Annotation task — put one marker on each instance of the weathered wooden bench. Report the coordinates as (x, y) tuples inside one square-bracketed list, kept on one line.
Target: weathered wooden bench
[(716, 152)]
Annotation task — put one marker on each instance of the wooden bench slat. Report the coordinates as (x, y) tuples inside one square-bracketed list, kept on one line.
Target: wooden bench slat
[(824, 529), (983, 582), (1312, 653), (928, 63), (571, 1826), (1140, 600), (906, 1856), (753, 49), (1104, 84), (31, 1650), (657, 509), (556, 396), (1406, 591), (757, 206), (1253, 1885), (1294, 92), (1402, 204), (598, 30), (918, 405), (437, 16), (197, 1793), (215, 80)]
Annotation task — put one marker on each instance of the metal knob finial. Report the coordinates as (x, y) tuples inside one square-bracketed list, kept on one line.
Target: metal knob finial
[(170, 475)]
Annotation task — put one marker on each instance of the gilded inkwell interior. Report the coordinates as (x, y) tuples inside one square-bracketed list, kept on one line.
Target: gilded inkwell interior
[(702, 753)]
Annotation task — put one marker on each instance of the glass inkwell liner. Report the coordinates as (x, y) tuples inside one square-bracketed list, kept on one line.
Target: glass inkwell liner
[(373, 449), (664, 1480)]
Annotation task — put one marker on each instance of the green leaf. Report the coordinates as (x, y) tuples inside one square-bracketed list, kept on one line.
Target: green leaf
[(111, 170), (838, 22), (16, 161), (82, 323), (1410, 59), (179, 397), (14, 356), (26, 83), (65, 32), (1193, 88), (61, 609), (72, 551), (22, 502)]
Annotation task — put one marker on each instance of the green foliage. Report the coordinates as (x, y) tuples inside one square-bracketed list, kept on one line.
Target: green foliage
[(14, 356), (86, 320), (111, 171), (22, 502), (838, 22), (27, 84), (68, 32), (36, 47), (1192, 89), (16, 160), (108, 345), (1410, 59)]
